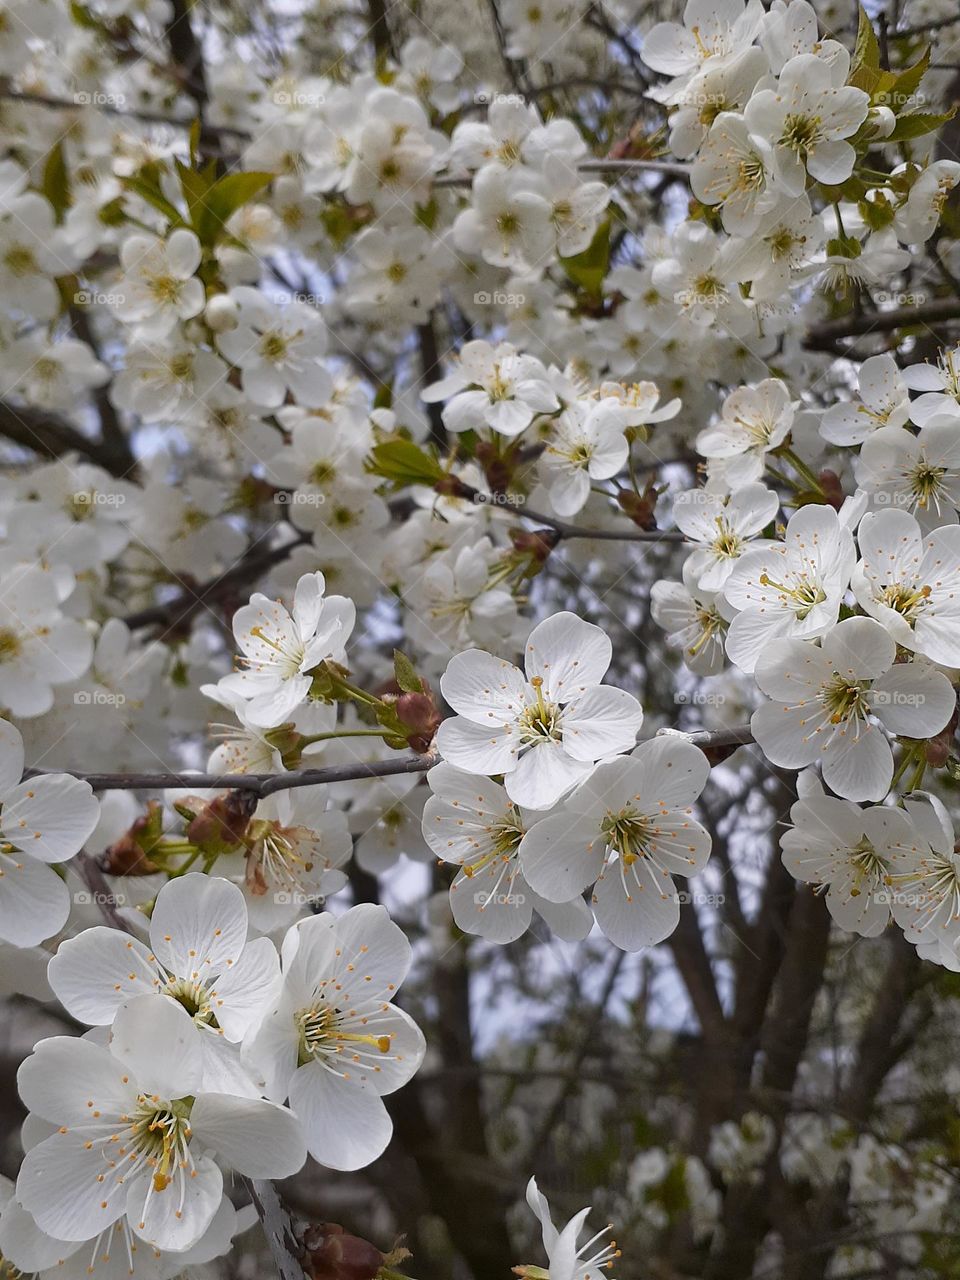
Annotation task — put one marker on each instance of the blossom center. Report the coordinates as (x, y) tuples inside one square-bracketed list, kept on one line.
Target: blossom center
[(727, 544), (926, 484), (845, 699), (630, 833), (540, 721), (868, 867), (159, 1136), (10, 644), (194, 997), (165, 289), (20, 260), (906, 601), (803, 597), (322, 1035), (800, 132)]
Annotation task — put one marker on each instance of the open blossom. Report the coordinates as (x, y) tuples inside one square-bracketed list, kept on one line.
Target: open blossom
[(198, 957), (277, 349), (543, 727), (832, 703), (566, 1259), (136, 1135), (753, 421), (925, 893), (281, 649), (43, 820), (333, 1041), (40, 648), (33, 1252), (626, 830), (856, 853), (693, 622), (883, 402), (472, 823), (911, 583), (710, 34), (790, 588), (458, 600), (808, 119), (509, 221), (939, 385), (296, 843), (721, 85), (916, 473), (493, 387), (918, 218), (587, 443), (158, 287), (735, 170), (725, 527)]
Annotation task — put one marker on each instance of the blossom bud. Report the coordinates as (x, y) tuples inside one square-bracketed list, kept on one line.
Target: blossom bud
[(222, 313), (639, 507), (536, 543), (223, 820), (883, 121), (832, 488), (332, 1254), (418, 712)]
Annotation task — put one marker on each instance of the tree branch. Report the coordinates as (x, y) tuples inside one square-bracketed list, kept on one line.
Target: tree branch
[(266, 784), (174, 613), (51, 437)]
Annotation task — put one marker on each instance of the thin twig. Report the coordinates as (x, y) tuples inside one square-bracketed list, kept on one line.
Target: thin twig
[(265, 784)]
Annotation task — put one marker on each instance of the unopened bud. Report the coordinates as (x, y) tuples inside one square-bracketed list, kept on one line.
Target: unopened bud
[(832, 489), (223, 820), (222, 313), (332, 1254), (418, 713)]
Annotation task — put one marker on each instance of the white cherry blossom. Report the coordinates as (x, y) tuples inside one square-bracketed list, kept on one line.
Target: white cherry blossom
[(543, 727), (627, 830), (333, 1041), (831, 704)]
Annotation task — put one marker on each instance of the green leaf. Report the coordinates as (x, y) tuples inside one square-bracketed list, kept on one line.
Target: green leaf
[(403, 462), (223, 199), (588, 270), (81, 16), (905, 85), (405, 673), (917, 123), (426, 214), (195, 130), (150, 191), (56, 181), (196, 187), (866, 53)]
